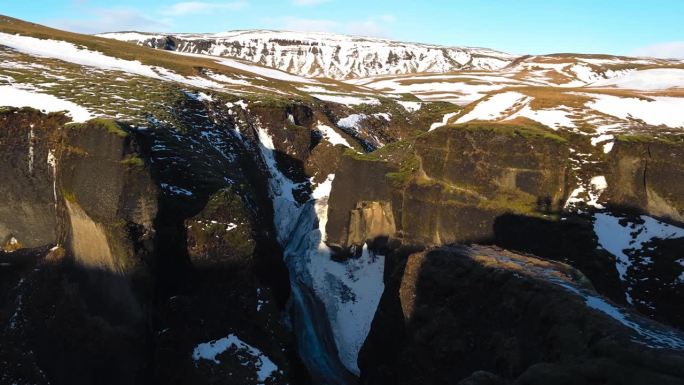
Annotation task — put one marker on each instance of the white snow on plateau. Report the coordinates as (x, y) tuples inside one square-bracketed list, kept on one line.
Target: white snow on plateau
[(661, 110), (266, 72), (456, 92), (493, 107), (346, 100), (211, 350), (650, 79), (69, 52), (552, 118), (14, 97)]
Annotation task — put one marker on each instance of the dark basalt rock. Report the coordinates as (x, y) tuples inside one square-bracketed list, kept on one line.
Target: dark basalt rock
[(27, 212), (647, 174), (452, 183), (133, 282), (457, 311), (109, 197)]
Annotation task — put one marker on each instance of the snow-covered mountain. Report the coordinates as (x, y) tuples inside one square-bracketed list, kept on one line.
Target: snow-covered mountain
[(325, 55)]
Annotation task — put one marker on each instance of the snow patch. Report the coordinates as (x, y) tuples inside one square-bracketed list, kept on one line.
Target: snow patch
[(264, 71), (265, 368), (444, 122), (69, 52), (411, 106), (286, 208), (13, 97), (661, 110), (350, 290), (618, 238), (552, 118), (649, 333), (649, 79), (493, 107), (332, 136), (347, 100), (597, 185), (352, 121)]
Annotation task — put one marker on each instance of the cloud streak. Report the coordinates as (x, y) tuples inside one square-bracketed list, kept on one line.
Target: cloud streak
[(375, 26), (201, 7), (99, 20), (668, 50), (305, 3)]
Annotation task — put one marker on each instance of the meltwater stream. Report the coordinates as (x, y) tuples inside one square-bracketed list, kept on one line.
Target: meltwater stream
[(333, 303)]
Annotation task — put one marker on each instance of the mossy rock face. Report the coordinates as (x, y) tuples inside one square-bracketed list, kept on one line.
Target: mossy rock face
[(110, 197), (221, 233), (647, 174), (356, 180), (27, 212), (450, 185), (496, 157)]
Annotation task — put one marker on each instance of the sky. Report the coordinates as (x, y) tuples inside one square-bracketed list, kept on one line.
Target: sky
[(623, 27)]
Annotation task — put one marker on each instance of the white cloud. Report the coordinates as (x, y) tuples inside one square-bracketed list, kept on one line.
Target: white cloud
[(376, 26), (308, 2), (668, 50), (201, 7), (309, 25), (111, 19)]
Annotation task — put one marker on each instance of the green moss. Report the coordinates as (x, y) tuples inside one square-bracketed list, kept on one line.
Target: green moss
[(210, 226), (524, 128), (407, 169), (69, 195), (111, 126), (400, 154), (133, 160), (636, 138), (73, 150)]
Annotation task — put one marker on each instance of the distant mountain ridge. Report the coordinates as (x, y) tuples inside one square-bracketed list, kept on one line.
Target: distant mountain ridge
[(323, 54)]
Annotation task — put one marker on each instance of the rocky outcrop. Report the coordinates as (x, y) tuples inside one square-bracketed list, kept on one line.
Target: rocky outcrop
[(647, 174), (369, 221), (221, 232), (143, 276), (451, 184), (27, 212), (449, 314), (109, 196)]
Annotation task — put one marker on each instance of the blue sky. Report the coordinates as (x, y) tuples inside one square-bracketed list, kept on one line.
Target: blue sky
[(629, 27)]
